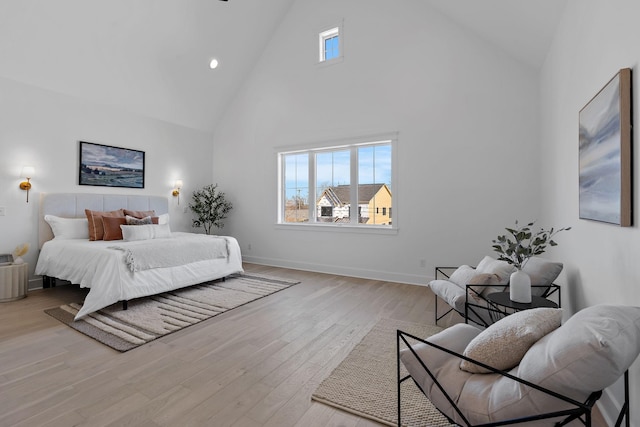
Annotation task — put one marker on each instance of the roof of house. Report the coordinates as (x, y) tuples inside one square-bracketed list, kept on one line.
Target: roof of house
[(341, 194)]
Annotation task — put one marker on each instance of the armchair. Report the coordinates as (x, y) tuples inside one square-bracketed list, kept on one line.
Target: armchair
[(556, 381), (464, 289)]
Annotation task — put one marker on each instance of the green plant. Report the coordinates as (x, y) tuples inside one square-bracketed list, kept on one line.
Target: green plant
[(210, 206), (523, 244)]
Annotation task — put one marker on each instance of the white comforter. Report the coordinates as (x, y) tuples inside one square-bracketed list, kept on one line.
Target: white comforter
[(94, 265)]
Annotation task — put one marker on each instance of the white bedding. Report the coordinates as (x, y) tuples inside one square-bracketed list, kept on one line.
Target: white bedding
[(92, 264)]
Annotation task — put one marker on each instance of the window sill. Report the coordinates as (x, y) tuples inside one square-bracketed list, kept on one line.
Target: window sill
[(346, 228)]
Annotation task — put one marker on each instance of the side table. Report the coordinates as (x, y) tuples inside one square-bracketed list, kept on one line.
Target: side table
[(14, 280), (502, 299)]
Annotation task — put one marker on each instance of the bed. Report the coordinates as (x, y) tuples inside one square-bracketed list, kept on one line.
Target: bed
[(106, 267)]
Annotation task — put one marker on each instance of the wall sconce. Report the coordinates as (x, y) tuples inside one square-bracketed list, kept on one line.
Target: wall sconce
[(27, 172), (176, 190)]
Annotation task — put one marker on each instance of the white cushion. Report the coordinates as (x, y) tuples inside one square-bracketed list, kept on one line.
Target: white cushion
[(449, 292), (163, 219), (542, 273), (68, 228), (453, 294), (503, 344), (145, 232), (491, 282), (443, 365), (463, 275), (466, 275), (588, 353), (503, 269)]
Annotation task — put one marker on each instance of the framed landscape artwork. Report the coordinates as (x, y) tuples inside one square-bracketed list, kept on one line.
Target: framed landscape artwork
[(107, 166), (605, 153)]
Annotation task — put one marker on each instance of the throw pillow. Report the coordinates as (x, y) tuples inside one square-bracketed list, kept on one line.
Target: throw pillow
[(493, 266), (139, 214), (492, 280), (542, 273), (68, 228), (96, 226), (145, 232), (112, 229), (138, 221), (463, 275), (590, 352), (162, 219), (503, 344)]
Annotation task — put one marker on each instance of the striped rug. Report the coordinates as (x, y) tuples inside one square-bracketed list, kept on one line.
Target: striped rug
[(152, 317)]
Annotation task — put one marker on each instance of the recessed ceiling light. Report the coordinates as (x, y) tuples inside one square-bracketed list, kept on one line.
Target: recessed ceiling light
[(213, 64)]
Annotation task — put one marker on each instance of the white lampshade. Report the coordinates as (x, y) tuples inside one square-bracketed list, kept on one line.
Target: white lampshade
[(178, 183), (27, 172)]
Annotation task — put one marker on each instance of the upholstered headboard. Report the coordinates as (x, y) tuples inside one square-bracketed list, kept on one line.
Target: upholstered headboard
[(72, 205)]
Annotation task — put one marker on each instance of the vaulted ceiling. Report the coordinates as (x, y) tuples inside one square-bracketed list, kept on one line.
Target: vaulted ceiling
[(151, 56)]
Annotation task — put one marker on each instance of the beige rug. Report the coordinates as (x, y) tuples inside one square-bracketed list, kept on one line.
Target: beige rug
[(365, 383), (152, 317)]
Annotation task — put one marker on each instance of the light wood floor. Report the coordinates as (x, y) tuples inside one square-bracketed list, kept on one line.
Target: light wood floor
[(256, 365)]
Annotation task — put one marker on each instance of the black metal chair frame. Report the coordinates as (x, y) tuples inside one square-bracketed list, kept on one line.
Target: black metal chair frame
[(579, 410), (495, 311)]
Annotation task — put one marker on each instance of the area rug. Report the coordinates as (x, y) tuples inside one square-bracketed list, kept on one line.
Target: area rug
[(365, 382), (152, 317)]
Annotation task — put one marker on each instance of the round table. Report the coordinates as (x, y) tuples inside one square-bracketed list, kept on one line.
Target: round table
[(502, 299)]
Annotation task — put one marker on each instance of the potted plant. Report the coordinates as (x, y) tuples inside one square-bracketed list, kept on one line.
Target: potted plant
[(210, 207), (517, 248)]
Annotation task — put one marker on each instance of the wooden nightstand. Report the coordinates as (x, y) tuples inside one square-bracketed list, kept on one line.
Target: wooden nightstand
[(14, 279)]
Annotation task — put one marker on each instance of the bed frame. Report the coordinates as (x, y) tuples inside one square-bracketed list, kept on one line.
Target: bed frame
[(72, 205)]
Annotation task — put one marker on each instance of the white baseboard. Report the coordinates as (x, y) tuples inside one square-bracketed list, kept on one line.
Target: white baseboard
[(388, 276)]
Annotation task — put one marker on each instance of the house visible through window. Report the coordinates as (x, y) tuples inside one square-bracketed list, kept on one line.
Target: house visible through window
[(320, 185), (330, 44)]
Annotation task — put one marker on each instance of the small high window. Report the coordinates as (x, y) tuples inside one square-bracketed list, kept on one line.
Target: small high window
[(330, 44)]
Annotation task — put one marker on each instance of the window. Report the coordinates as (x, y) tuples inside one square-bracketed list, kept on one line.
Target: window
[(330, 44), (319, 185)]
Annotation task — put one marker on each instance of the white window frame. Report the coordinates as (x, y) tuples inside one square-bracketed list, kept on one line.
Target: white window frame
[(323, 37), (353, 144), (326, 33)]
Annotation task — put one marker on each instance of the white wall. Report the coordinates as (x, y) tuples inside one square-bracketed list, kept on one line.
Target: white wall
[(595, 40), (467, 117), (42, 129)]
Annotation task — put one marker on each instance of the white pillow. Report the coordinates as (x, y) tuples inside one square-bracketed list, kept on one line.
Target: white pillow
[(466, 275), (542, 273), (68, 228), (163, 219), (463, 275), (493, 266), (502, 269), (588, 353), (504, 344), (145, 232)]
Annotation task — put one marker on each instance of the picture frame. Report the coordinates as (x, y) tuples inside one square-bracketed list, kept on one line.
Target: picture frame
[(605, 161), (110, 166)]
